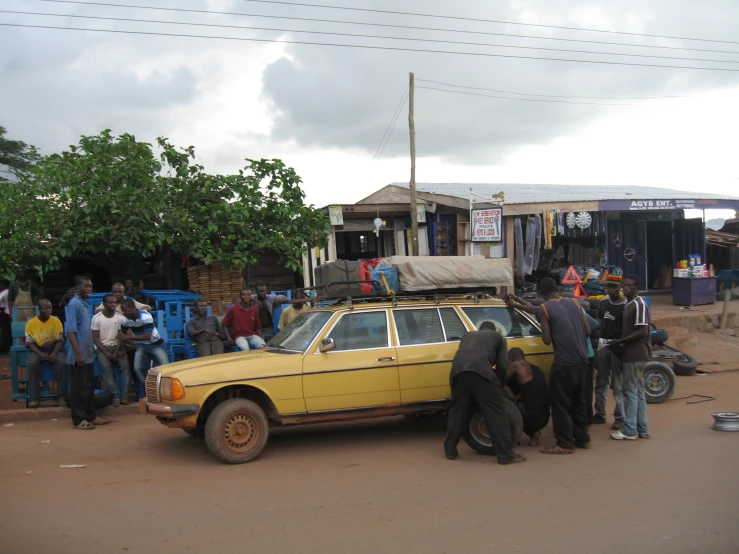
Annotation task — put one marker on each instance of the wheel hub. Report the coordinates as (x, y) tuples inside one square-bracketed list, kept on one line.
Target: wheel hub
[(479, 430), (241, 432)]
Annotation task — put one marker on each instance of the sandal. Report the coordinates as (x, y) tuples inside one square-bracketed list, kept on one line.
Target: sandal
[(556, 450), (84, 425), (100, 421)]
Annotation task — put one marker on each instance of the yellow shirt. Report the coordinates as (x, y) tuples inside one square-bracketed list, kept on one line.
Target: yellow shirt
[(290, 313), (44, 334)]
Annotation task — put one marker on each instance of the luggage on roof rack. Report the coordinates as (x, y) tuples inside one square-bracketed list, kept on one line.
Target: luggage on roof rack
[(435, 273)]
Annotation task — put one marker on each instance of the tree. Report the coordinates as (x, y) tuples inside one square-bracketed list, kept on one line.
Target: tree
[(15, 156), (111, 195)]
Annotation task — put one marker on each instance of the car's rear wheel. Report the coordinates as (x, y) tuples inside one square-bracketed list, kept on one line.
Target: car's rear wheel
[(236, 431), (659, 382), (476, 433)]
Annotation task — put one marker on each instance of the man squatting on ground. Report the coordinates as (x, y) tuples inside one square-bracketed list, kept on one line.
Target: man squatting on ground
[(526, 384)]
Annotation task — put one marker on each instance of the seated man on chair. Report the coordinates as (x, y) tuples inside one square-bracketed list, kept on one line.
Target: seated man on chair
[(205, 331), (45, 338), (242, 324), (529, 390)]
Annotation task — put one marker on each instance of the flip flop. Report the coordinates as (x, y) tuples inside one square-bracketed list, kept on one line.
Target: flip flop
[(556, 450), (84, 425)]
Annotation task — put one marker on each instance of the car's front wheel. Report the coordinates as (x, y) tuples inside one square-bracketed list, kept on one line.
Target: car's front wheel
[(476, 433), (236, 431)]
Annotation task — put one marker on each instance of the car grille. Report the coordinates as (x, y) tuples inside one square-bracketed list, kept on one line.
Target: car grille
[(152, 386)]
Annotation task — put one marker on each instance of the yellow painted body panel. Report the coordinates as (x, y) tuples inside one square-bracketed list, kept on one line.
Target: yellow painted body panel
[(339, 380)]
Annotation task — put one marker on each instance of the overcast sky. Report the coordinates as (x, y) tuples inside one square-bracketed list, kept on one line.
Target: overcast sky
[(324, 110)]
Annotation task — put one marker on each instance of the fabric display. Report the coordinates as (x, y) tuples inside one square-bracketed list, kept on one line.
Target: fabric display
[(518, 233)]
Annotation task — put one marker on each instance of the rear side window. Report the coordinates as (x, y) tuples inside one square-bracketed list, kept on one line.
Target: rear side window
[(360, 330), (428, 326), (509, 322)]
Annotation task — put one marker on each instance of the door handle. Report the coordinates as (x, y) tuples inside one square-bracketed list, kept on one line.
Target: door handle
[(388, 359)]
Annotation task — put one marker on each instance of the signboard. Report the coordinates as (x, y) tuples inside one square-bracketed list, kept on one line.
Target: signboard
[(486, 225), (666, 204), (336, 215)]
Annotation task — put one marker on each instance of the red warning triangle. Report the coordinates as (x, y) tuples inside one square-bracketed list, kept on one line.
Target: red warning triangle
[(571, 277)]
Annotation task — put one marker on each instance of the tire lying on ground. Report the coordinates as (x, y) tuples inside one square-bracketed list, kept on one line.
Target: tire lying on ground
[(659, 382), (476, 433), (236, 431), (684, 364)]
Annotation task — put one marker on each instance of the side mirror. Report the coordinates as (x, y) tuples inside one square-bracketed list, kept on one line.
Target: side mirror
[(327, 345)]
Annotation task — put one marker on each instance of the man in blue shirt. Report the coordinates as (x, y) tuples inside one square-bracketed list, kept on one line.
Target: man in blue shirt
[(79, 356), (149, 345)]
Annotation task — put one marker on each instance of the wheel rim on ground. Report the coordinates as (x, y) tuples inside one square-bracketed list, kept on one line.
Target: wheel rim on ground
[(241, 432), (655, 383), (479, 431)]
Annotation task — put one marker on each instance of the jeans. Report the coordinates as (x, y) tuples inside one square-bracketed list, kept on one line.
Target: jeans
[(253, 342), (146, 357), (609, 372), (58, 368), (82, 394), (635, 400), (569, 417), (109, 379)]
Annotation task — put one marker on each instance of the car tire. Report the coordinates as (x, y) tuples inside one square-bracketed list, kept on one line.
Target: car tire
[(476, 432), (684, 364), (658, 336), (659, 382), (236, 431)]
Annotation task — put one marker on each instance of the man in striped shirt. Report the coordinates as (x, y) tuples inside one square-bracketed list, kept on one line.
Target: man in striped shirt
[(637, 351), (149, 345)]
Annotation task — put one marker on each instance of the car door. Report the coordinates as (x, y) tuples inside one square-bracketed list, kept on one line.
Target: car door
[(519, 329), (427, 340), (361, 372)]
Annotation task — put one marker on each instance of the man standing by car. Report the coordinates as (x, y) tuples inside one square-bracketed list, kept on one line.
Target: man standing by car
[(609, 355), (473, 380), (564, 326), (637, 350)]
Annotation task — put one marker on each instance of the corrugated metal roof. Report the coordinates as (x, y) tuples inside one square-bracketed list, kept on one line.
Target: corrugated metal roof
[(528, 194)]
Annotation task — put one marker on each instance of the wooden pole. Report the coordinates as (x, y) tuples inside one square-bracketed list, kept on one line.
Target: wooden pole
[(725, 312), (412, 126)]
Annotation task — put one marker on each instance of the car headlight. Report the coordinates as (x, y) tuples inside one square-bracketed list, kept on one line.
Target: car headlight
[(171, 389)]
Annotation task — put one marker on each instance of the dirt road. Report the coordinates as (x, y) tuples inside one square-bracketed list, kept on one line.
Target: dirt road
[(373, 487)]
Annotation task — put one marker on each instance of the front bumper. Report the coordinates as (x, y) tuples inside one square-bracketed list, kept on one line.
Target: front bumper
[(168, 411)]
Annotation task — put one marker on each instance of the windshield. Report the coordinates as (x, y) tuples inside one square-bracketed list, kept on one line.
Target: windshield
[(301, 331)]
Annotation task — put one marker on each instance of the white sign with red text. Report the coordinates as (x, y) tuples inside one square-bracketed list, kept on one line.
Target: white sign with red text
[(486, 225)]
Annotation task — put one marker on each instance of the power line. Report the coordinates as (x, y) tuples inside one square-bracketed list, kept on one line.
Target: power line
[(353, 35), (475, 19), (550, 95), (364, 46), (389, 25), (535, 99), (391, 128)]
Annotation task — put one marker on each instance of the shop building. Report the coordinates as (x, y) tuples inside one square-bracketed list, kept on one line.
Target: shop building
[(641, 230)]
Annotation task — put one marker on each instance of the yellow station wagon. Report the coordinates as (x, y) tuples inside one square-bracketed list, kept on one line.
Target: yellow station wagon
[(345, 362)]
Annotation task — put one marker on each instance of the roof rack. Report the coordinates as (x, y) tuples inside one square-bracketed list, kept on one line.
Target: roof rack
[(346, 292)]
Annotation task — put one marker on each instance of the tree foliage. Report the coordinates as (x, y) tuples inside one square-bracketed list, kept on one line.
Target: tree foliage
[(16, 157), (113, 194)]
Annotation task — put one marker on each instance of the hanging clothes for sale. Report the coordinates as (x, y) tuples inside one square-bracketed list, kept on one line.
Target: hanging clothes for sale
[(518, 233), (537, 243), (528, 258)]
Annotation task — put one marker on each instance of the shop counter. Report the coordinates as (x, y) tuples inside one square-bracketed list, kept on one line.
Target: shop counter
[(692, 292)]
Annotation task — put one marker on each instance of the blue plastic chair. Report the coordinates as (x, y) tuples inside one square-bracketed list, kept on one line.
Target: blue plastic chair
[(18, 354)]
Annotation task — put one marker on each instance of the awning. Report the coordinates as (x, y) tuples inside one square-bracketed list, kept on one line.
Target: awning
[(717, 238)]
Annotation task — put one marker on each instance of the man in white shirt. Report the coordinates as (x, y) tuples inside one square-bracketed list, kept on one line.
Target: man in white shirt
[(110, 352)]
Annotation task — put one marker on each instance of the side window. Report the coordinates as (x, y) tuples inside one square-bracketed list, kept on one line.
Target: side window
[(358, 331), (453, 326), (509, 322), (418, 326)]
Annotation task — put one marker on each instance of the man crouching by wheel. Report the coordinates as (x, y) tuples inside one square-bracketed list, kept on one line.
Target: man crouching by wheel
[(528, 389), (472, 379)]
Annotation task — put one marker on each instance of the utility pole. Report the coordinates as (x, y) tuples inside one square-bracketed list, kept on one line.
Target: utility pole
[(412, 126)]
